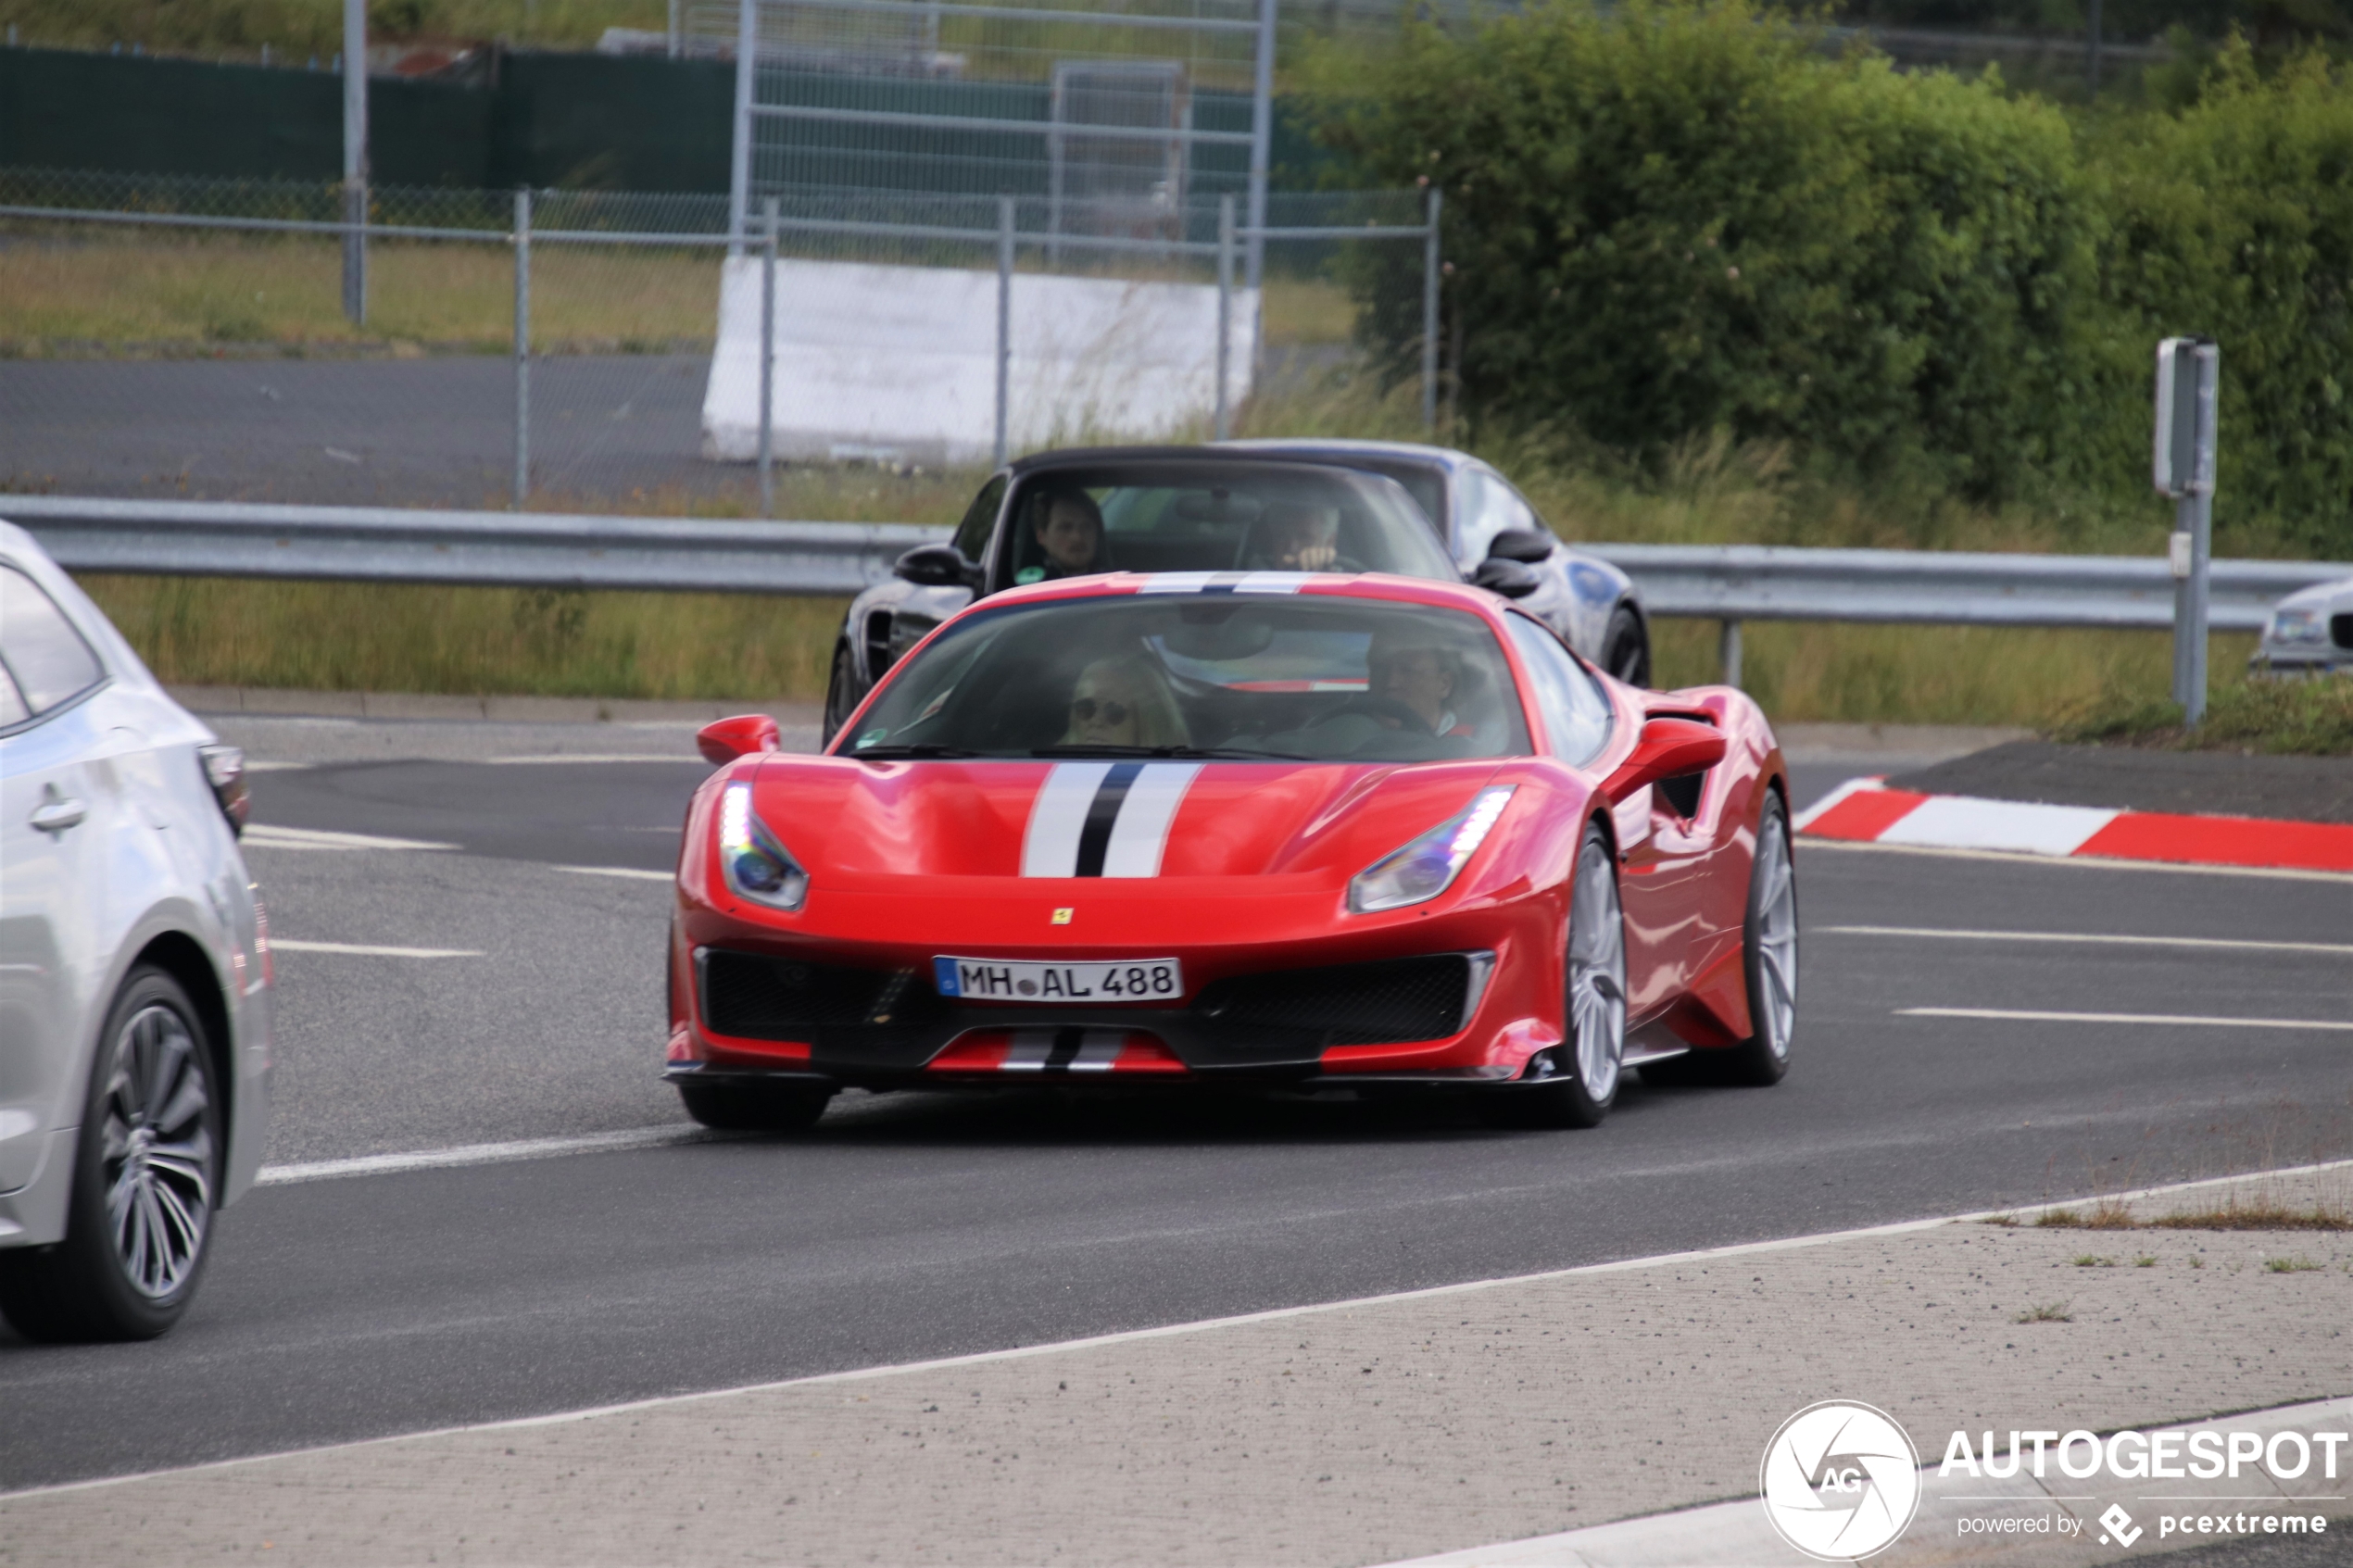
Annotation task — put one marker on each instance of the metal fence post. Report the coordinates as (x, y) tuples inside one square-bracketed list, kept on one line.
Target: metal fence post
[(739, 149), (1004, 317), (355, 160), (768, 359), (677, 32), (523, 346), (1430, 314), (1225, 309), (2188, 372), (1262, 138), (1728, 651)]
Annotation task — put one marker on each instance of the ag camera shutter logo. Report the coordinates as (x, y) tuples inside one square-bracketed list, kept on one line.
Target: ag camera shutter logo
[(1840, 1481)]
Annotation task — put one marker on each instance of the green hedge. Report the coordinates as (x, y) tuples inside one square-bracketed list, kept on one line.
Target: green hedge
[(1683, 216)]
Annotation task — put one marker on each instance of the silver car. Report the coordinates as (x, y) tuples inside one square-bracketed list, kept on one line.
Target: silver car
[(2310, 631), (1481, 517), (134, 974)]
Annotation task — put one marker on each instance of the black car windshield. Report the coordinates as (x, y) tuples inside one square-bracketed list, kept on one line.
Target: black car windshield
[(1215, 515), (1248, 676)]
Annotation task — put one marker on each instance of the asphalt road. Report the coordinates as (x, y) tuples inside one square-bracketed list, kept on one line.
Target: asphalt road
[(917, 1226)]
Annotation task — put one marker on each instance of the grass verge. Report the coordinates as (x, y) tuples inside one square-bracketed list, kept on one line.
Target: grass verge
[(2303, 716)]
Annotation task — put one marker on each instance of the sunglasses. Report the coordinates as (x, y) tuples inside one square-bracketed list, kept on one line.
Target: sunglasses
[(1085, 708)]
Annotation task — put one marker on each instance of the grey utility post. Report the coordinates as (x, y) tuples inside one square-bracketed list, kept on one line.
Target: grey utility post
[(739, 152), (1225, 309), (1261, 137), (1429, 313), (523, 346), (1004, 317), (1728, 651), (2188, 369), (355, 160), (768, 357)]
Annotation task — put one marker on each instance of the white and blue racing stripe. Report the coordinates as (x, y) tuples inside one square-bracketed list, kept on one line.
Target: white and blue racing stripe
[(1225, 582), (1104, 819)]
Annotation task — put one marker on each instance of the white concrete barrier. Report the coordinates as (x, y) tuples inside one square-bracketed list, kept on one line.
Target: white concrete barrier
[(899, 362)]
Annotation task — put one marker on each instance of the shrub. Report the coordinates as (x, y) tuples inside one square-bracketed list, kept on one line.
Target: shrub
[(2233, 220), (1680, 217)]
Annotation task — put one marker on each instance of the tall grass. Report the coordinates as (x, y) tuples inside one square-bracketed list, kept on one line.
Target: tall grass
[(296, 28)]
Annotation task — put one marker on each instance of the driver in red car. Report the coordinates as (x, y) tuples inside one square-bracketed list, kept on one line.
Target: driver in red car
[(1422, 677)]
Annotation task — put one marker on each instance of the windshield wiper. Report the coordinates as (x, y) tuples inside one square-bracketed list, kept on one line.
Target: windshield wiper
[(920, 748), (1080, 749)]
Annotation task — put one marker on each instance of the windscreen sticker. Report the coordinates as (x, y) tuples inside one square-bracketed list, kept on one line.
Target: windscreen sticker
[(1104, 819)]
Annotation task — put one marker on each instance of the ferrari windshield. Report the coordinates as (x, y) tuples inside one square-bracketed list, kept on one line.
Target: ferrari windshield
[(1216, 515), (1245, 675)]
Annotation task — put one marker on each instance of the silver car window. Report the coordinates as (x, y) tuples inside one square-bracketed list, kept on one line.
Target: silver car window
[(12, 709), (1490, 507), (46, 655), (1577, 714)]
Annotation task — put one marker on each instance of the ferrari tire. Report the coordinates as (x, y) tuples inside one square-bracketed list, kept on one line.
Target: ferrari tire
[(1768, 960), (839, 701), (145, 1182), (1626, 647), (756, 1108), (1582, 1072)]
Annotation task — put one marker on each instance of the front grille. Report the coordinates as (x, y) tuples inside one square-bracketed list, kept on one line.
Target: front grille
[(1369, 1004), (758, 997), (2341, 631)]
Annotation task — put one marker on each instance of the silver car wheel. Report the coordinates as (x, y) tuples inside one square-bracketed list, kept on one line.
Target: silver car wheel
[(1776, 937), (1597, 974), (157, 1152)]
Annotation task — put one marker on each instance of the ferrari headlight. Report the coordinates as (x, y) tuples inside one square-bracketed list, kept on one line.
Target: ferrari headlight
[(2296, 626), (758, 866), (1427, 867)]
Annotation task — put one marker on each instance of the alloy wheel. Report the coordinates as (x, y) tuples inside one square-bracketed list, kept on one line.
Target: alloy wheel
[(157, 1152)]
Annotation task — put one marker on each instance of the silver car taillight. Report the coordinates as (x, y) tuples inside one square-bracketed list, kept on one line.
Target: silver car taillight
[(224, 768)]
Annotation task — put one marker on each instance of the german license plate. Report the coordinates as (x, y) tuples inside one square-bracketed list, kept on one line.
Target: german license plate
[(1001, 980)]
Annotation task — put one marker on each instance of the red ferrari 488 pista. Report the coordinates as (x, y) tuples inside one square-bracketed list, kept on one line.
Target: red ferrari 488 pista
[(1301, 829)]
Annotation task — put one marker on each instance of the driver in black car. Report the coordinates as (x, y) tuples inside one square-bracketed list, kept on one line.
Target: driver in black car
[(1069, 534), (1421, 677), (1296, 537)]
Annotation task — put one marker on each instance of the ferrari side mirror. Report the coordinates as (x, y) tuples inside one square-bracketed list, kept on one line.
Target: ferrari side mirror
[(1667, 748), (723, 740), (1521, 545), (938, 566), (1508, 578)]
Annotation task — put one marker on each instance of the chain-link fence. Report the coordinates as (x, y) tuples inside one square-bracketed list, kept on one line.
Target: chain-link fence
[(597, 351)]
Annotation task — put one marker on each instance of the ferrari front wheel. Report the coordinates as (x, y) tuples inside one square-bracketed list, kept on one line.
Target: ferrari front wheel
[(755, 1106), (1585, 1068)]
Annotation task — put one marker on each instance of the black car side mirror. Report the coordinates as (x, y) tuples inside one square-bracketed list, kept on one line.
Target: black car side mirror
[(938, 566), (1508, 578), (1520, 544)]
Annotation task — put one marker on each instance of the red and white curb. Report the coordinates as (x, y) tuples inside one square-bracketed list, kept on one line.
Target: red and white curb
[(1867, 811)]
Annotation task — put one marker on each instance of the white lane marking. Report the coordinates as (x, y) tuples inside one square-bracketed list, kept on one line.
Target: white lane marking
[(254, 765), (1058, 818), (2079, 862), (287, 945), (1853, 786), (630, 872), (475, 1154), (269, 835), (593, 757), (2023, 1016), (1173, 1331), (1960, 821), (1929, 931), (1139, 833)]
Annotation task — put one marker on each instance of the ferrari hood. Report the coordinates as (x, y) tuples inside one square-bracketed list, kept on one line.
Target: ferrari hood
[(1102, 819)]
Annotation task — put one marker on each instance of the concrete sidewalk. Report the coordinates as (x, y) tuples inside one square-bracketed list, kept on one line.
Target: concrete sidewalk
[(1360, 1433)]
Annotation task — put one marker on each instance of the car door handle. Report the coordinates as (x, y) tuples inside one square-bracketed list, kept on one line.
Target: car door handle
[(55, 815)]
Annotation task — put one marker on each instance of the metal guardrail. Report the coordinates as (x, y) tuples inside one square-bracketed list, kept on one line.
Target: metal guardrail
[(492, 550), (1726, 583), (1735, 583)]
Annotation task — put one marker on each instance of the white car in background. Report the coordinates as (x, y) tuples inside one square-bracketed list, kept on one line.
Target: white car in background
[(134, 974), (2310, 631)]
